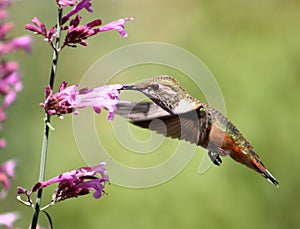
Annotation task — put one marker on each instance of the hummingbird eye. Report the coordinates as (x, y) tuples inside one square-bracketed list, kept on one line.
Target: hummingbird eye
[(154, 87)]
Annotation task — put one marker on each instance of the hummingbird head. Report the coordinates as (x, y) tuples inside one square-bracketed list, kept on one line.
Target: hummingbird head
[(163, 90)]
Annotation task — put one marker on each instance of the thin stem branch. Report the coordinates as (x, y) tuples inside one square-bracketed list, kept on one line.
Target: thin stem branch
[(37, 207)]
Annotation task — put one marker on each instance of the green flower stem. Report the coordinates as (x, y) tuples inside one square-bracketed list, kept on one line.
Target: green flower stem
[(47, 122)]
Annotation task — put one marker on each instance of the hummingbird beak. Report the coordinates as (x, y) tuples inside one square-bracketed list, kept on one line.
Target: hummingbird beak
[(129, 87)]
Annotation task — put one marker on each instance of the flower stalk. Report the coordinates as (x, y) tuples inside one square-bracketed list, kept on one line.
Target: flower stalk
[(47, 122), (68, 99)]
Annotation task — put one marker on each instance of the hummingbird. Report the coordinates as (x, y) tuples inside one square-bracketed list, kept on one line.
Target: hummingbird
[(183, 117)]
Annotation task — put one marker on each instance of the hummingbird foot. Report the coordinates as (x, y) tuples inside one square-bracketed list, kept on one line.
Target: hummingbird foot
[(215, 158)]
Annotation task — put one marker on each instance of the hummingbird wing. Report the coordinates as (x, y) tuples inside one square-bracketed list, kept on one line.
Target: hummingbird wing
[(140, 111), (192, 126), (184, 126)]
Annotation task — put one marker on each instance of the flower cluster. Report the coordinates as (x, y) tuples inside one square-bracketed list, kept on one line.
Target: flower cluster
[(10, 83), (6, 174), (75, 32), (69, 99), (73, 184)]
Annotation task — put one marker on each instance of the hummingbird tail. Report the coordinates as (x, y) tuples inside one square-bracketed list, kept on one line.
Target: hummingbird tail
[(256, 164), (266, 174)]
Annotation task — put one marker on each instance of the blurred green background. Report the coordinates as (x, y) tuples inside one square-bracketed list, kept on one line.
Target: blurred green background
[(253, 50)]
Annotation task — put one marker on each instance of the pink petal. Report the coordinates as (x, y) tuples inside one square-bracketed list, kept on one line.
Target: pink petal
[(8, 219)]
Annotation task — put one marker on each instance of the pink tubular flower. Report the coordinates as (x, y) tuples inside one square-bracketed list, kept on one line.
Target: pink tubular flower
[(8, 219), (62, 102), (117, 25), (4, 29), (68, 99), (7, 172), (15, 45), (74, 183), (2, 143), (77, 33), (84, 4), (38, 27), (100, 97), (10, 83)]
